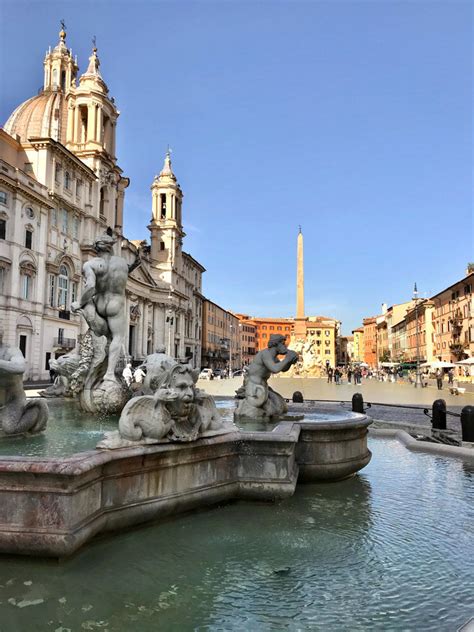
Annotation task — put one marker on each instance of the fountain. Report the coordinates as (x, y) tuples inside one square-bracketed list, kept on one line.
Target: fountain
[(170, 449)]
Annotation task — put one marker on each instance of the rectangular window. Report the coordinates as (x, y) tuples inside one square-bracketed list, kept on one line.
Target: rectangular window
[(75, 228), (22, 345), (57, 173), (28, 239), (3, 197), (78, 188), (3, 229), (74, 292), (3, 274), (65, 220), (48, 358), (28, 167), (25, 286)]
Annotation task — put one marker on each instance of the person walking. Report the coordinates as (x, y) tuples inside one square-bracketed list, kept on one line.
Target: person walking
[(330, 374), (138, 375), (439, 379), (127, 374), (337, 375), (451, 377), (349, 375)]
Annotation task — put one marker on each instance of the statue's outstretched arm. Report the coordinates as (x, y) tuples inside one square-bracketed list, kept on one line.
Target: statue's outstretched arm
[(283, 365)]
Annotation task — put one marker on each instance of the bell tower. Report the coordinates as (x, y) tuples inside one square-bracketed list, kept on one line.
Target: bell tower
[(166, 226), (91, 133), (60, 68)]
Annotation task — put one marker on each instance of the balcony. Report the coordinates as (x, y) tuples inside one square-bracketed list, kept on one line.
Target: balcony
[(65, 343)]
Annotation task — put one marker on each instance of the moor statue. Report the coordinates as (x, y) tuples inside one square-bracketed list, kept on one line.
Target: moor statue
[(257, 399)]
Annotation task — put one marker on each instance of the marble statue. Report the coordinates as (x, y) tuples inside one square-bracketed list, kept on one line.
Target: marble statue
[(17, 414), (256, 399), (102, 304), (177, 411), (154, 365), (64, 366)]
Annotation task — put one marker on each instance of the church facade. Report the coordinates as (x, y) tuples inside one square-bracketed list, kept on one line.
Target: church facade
[(60, 188)]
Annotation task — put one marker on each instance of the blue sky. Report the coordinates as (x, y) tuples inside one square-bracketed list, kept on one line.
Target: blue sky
[(353, 119)]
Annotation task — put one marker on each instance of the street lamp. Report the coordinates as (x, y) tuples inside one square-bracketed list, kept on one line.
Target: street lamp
[(417, 334)]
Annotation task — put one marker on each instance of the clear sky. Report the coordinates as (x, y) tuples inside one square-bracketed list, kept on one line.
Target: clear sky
[(353, 119)]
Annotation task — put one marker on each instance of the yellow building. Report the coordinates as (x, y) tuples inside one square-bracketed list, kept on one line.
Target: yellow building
[(359, 348)]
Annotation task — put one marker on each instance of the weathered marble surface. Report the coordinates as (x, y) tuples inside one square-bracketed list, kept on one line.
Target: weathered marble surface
[(17, 414), (51, 507), (102, 304), (256, 399), (177, 411)]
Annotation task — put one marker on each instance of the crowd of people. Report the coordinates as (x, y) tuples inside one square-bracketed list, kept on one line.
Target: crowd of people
[(133, 376)]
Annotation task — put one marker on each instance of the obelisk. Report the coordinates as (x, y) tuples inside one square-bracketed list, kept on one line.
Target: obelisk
[(300, 320)]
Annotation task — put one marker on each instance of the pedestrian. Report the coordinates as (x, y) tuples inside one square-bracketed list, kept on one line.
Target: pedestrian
[(138, 375), (439, 379), (349, 375), (337, 375), (330, 374), (52, 375), (451, 377), (127, 374)]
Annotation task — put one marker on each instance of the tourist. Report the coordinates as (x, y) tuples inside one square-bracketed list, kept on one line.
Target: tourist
[(439, 379), (127, 374), (138, 375), (330, 374), (337, 375), (349, 375), (451, 377)]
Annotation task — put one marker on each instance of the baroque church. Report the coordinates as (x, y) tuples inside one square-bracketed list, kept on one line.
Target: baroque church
[(60, 188)]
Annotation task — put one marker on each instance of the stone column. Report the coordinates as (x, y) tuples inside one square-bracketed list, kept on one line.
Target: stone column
[(91, 122), (70, 124), (98, 135), (77, 127), (145, 328)]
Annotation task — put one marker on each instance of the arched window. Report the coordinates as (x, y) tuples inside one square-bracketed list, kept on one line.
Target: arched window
[(63, 288)]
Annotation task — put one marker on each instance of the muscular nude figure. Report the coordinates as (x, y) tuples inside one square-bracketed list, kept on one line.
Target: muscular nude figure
[(258, 399), (103, 300)]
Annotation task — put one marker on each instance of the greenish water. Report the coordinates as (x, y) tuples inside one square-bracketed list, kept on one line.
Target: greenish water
[(388, 550), (70, 431)]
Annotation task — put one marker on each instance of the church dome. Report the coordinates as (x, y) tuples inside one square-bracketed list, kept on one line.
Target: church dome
[(42, 116)]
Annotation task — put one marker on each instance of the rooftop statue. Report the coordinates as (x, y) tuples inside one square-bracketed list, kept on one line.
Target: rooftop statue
[(18, 414), (102, 305), (177, 411), (256, 399)]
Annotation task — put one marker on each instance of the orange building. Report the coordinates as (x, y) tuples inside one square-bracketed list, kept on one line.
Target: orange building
[(264, 327), (370, 340)]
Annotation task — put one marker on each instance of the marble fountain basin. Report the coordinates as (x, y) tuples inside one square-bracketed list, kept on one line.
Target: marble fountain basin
[(50, 505)]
